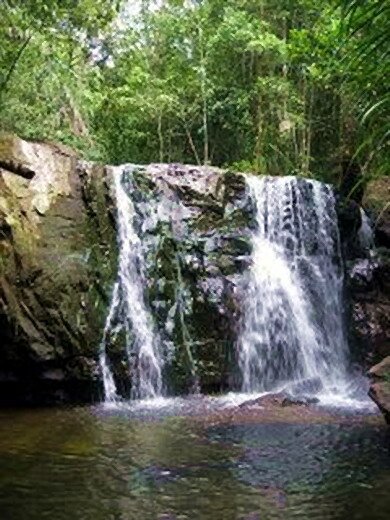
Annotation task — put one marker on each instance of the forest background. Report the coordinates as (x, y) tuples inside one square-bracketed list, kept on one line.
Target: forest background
[(269, 86)]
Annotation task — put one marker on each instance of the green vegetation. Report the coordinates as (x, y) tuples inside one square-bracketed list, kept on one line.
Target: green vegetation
[(271, 86)]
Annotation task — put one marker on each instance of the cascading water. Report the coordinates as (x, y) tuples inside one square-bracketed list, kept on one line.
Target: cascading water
[(109, 387), (293, 335), (366, 234), (142, 344)]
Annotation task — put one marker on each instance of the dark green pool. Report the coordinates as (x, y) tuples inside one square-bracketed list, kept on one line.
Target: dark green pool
[(94, 464)]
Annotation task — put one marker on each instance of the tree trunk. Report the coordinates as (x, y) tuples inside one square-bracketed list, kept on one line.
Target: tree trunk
[(4, 84), (192, 146), (204, 98), (160, 138)]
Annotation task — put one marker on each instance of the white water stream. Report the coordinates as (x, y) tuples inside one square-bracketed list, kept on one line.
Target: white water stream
[(128, 302), (293, 335)]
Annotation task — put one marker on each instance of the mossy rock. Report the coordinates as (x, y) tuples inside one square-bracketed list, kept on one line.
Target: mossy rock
[(58, 250)]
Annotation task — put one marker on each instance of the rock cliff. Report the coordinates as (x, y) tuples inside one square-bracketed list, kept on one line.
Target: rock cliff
[(375, 306), (57, 240), (368, 269), (58, 264)]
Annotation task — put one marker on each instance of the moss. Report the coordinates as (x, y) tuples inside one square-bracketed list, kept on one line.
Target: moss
[(207, 220), (377, 194), (58, 267)]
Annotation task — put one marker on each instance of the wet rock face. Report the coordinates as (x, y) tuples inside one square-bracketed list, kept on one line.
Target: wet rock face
[(380, 386), (369, 286), (58, 258), (368, 279), (195, 226), (57, 265), (372, 319), (368, 272), (350, 222)]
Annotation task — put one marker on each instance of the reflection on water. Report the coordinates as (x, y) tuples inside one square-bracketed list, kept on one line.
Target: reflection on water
[(87, 463)]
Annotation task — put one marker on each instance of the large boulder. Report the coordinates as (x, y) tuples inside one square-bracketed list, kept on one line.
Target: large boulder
[(194, 223), (380, 386), (58, 264), (56, 242)]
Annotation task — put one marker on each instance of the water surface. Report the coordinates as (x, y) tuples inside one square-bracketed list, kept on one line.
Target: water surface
[(143, 463)]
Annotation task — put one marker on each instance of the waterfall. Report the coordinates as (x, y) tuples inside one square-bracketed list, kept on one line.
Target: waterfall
[(366, 234), (128, 302), (293, 335), (109, 387)]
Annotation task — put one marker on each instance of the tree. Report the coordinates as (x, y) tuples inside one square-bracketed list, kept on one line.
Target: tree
[(271, 86), (366, 26), (46, 71)]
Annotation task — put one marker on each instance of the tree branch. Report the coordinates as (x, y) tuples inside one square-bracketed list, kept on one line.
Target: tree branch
[(4, 84)]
